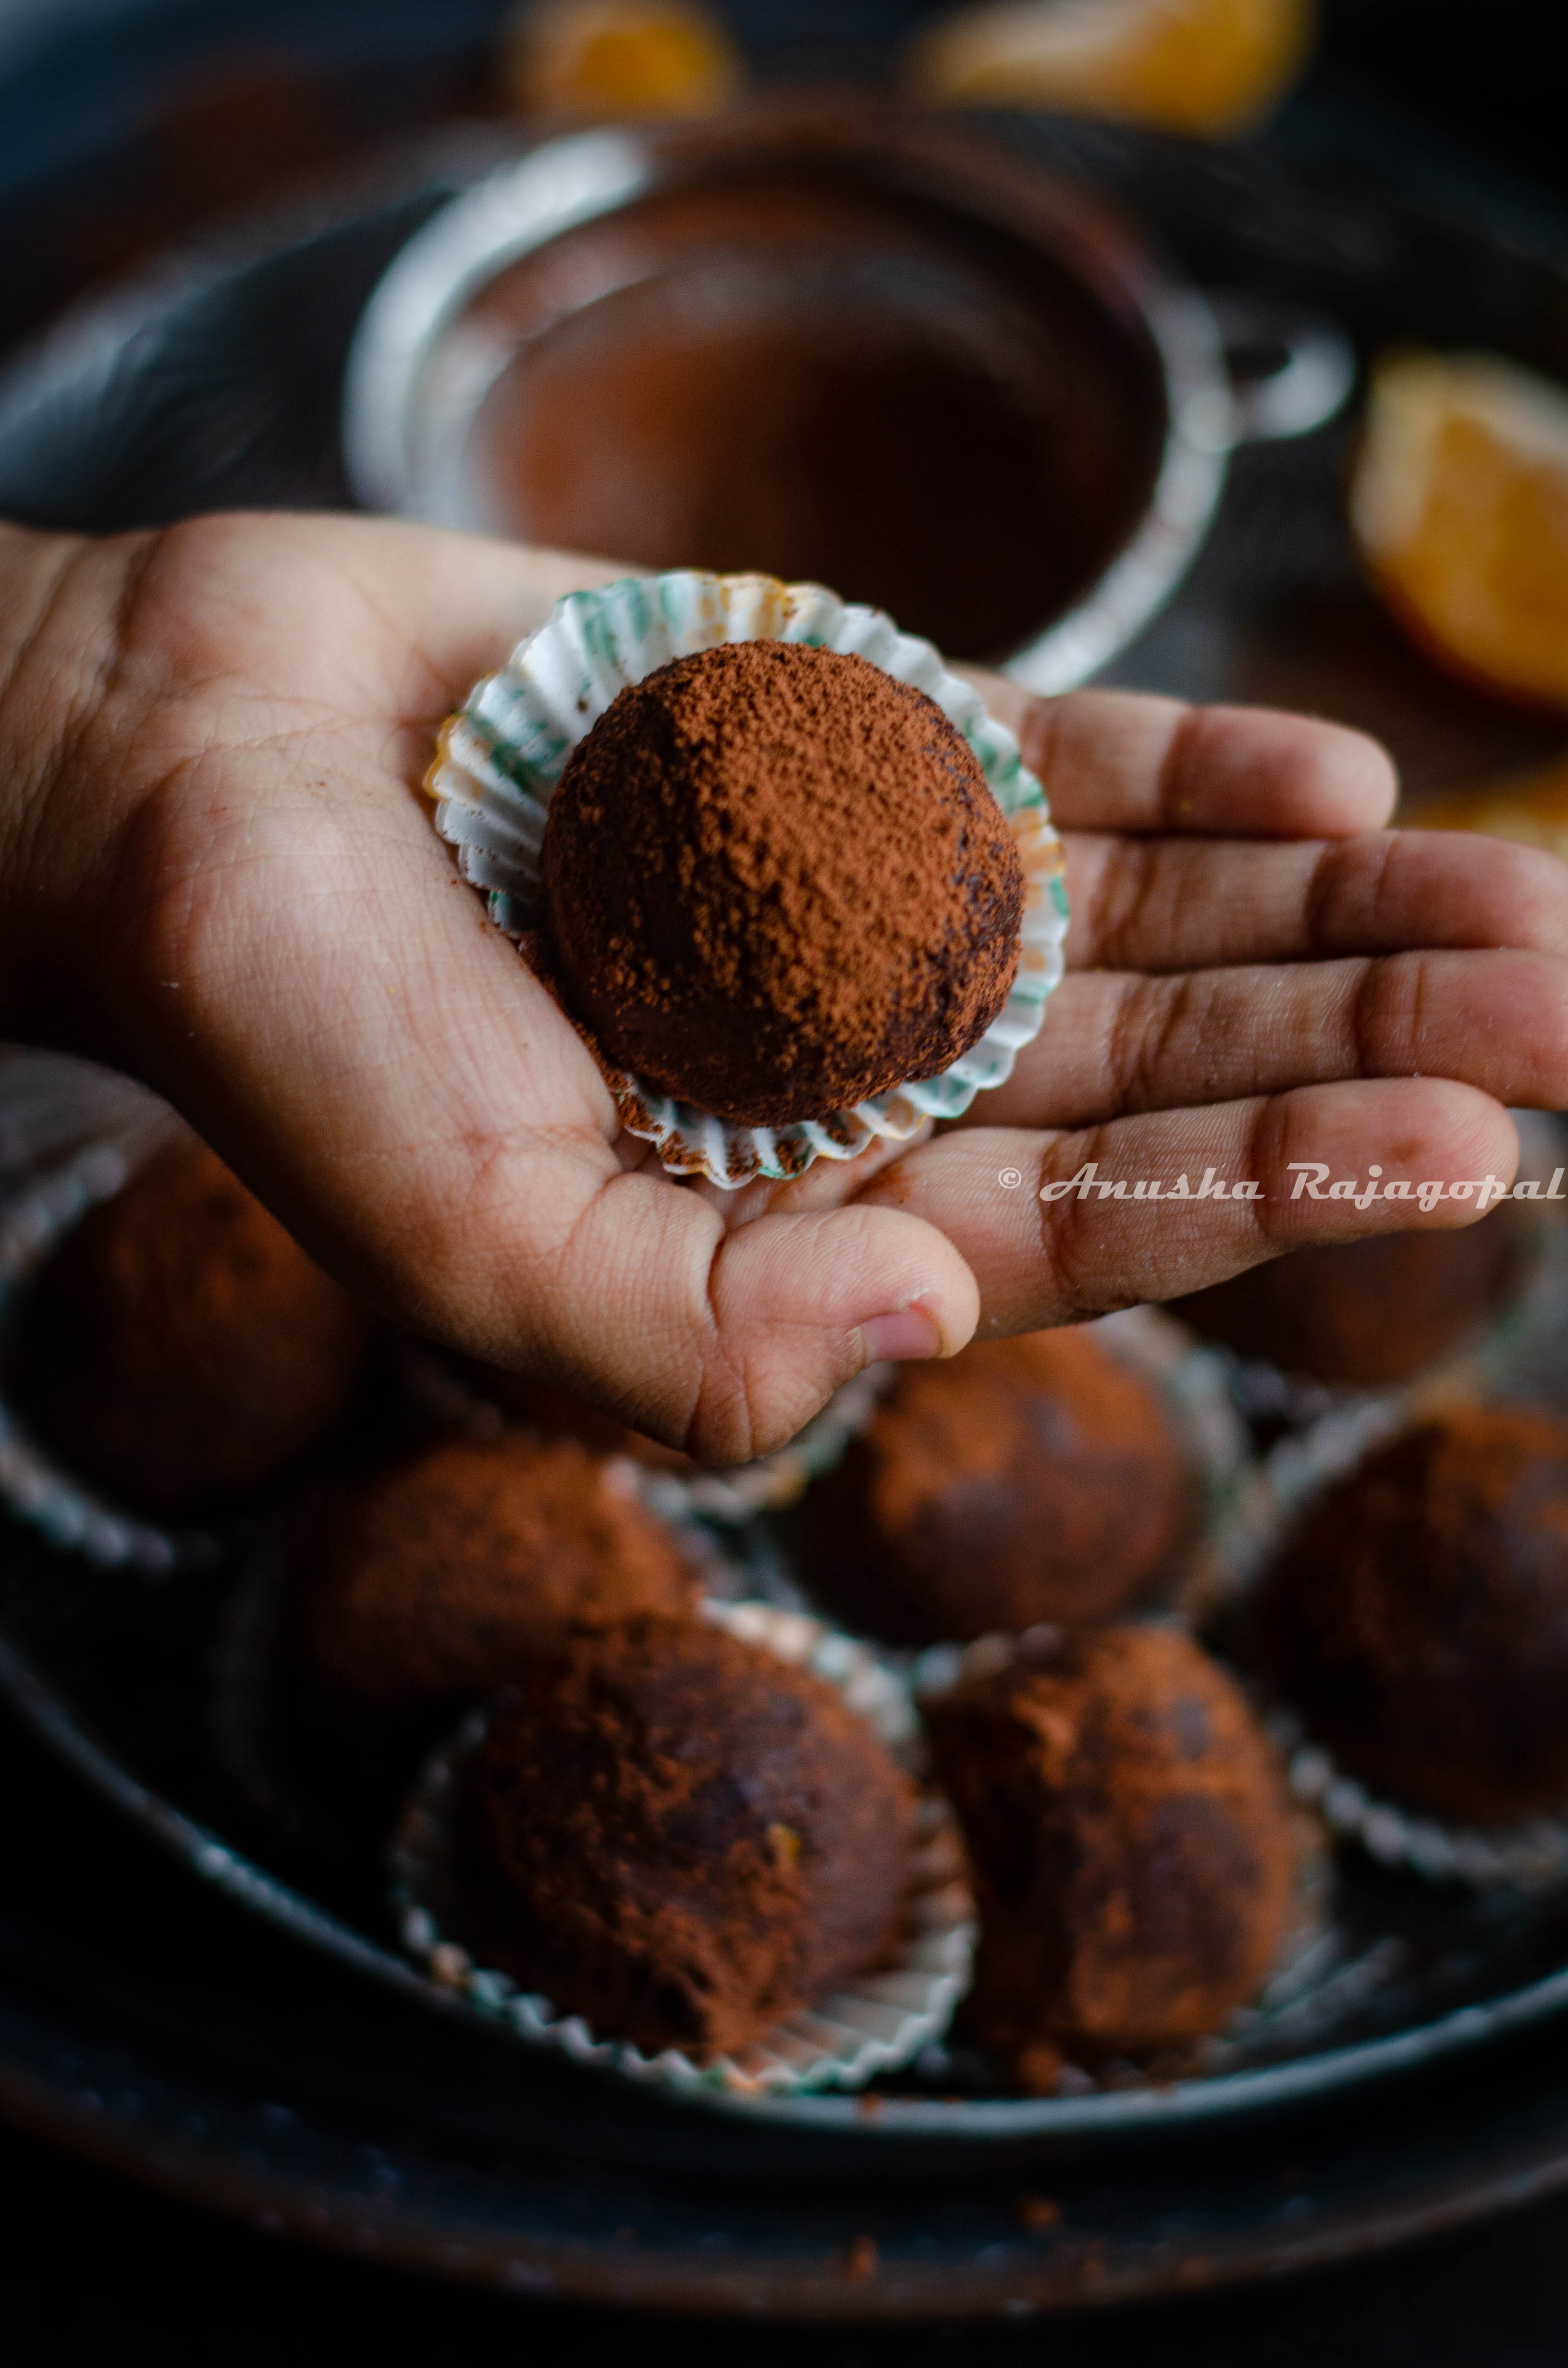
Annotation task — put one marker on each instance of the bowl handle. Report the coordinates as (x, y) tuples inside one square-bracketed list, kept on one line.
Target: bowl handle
[(1290, 371)]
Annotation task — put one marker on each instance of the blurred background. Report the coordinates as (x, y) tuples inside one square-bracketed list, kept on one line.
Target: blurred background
[(126, 124)]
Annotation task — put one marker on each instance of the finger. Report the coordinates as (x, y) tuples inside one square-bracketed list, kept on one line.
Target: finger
[(461, 602), (727, 1342), (1125, 760), (1063, 1258), (1112, 1043), (1173, 904)]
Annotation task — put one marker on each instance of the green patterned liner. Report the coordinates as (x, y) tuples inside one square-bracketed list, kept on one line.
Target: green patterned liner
[(500, 756)]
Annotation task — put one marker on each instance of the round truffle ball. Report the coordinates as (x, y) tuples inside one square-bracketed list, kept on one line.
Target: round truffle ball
[(1372, 1311), (1132, 1846), (778, 884), (1418, 1617), (413, 1594), (179, 1349), (1024, 1480), (680, 1836)]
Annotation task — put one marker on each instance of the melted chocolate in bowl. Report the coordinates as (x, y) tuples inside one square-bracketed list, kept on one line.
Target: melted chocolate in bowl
[(922, 407)]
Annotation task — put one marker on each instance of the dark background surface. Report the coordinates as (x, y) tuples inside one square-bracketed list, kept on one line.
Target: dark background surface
[(112, 140)]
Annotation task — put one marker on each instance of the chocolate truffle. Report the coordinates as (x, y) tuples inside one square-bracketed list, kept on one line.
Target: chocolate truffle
[(778, 884), (1132, 1847), (1418, 1617), (1024, 1480), (417, 1592), (179, 1349), (1368, 1313), (681, 1838)]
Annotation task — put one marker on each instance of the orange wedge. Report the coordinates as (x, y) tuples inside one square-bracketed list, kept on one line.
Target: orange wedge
[(612, 60), (1531, 807), (1213, 67), (1459, 503)]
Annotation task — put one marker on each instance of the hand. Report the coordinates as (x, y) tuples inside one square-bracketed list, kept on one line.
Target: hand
[(216, 872)]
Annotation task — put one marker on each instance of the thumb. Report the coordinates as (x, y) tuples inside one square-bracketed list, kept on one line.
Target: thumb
[(802, 1304), (728, 1342)]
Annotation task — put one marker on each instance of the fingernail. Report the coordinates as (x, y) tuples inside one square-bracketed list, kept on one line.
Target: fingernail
[(907, 1332)]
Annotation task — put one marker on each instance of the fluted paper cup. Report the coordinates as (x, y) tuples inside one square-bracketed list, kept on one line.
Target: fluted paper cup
[(500, 756), (873, 2024), (44, 1105)]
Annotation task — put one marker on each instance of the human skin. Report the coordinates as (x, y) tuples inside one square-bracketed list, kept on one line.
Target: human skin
[(217, 873)]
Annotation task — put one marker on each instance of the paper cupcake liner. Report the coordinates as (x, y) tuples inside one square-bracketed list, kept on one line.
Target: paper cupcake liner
[(34, 1219), (876, 2023), (52, 1106), (1316, 1977), (240, 1710), (500, 757), (1531, 1856), (247, 1737), (730, 1496)]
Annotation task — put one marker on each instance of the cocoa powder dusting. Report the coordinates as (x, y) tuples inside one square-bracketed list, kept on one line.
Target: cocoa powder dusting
[(425, 1583), (1132, 1847), (778, 884), (1418, 1617), (1022, 1480), (179, 1347), (681, 1837)]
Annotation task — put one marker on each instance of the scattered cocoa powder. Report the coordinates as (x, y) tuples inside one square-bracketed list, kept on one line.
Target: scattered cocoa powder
[(1025, 1480), (778, 882), (179, 1348), (681, 1837), (1132, 1847), (1418, 1616)]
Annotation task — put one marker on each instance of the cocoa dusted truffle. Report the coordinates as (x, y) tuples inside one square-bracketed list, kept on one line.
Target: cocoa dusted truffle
[(778, 884), (179, 1349), (680, 1836), (1024, 1480), (1132, 1847), (1368, 1313), (413, 1594), (1418, 1617)]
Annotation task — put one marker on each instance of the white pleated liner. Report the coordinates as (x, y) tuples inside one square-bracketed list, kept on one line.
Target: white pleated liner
[(876, 2023), (1529, 1857), (36, 1214), (500, 757)]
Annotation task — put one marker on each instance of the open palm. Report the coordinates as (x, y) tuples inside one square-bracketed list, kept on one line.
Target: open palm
[(216, 872)]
